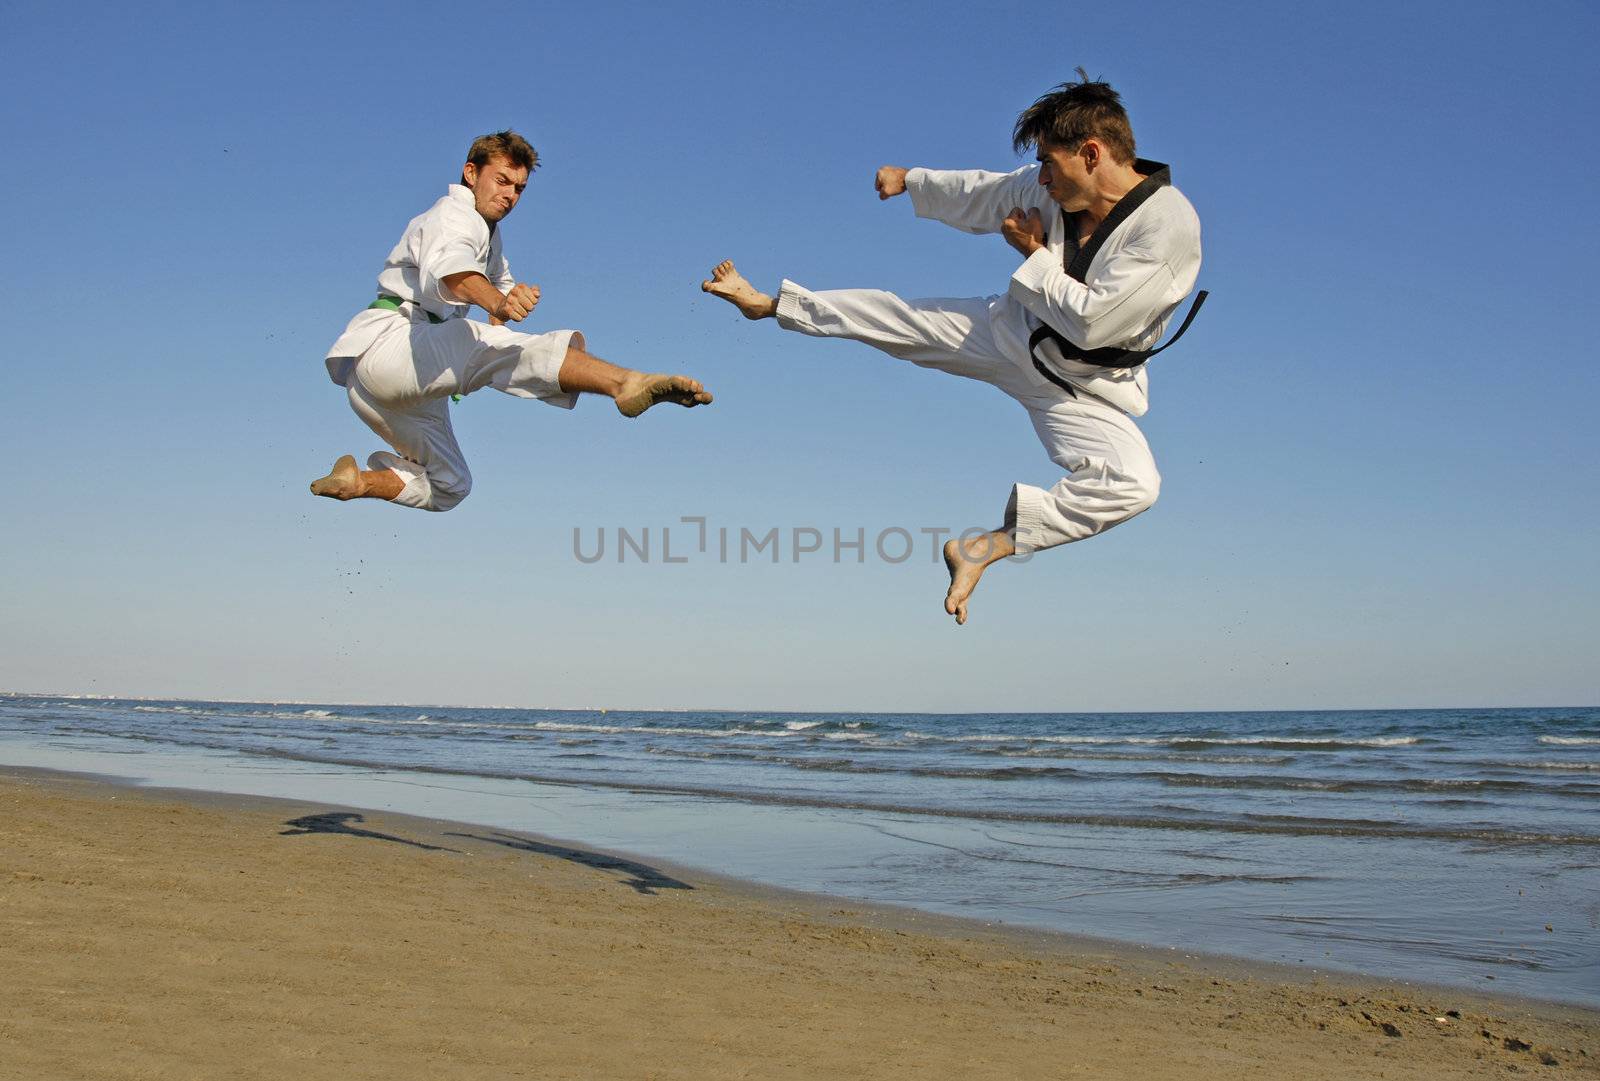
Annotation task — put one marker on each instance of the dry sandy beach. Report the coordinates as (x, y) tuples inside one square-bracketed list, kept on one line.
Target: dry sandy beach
[(153, 934)]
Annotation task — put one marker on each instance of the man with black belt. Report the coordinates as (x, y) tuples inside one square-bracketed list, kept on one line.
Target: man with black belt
[(413, 347), (1110, 248)]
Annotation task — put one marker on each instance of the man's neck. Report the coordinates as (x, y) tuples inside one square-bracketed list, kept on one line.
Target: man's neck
[(1116, 181)]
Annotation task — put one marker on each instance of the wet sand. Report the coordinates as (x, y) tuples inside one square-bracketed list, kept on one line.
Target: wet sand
[(155, 934)]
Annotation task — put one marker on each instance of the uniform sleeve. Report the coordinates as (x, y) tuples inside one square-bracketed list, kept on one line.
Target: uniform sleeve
[(1135, 288), (972, 200), (448, 245)]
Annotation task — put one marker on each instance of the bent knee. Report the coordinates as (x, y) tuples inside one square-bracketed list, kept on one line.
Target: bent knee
[(446, 493), (1129, 495), (1144, 492)]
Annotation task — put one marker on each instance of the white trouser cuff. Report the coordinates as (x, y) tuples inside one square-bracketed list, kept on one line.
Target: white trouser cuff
[(795, 314), (537, 372), (1025, 519), (418, 491)]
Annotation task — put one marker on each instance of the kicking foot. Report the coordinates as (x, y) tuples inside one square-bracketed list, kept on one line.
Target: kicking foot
[(966, 560), (342, 482), (730, 285), (641, 390)]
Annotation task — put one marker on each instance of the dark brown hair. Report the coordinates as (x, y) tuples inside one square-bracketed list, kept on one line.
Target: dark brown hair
[(1073, 112), (503, 144)]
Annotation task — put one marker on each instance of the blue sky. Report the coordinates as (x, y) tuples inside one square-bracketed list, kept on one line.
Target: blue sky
[(1377, 443)]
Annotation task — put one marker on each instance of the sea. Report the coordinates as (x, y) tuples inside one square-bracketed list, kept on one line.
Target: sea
[(1458, 847)]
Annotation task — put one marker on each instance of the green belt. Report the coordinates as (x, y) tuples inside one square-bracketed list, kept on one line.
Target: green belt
[(389, 303)]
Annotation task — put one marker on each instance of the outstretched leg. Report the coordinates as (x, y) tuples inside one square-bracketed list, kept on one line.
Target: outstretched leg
[(953, 335), (956, 335), (633, 392), (346, 480), (726, 282), (967, 559)]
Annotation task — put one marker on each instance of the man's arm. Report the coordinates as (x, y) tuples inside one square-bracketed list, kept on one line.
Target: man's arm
[(509, 307), (1133, 290), (971, 200), (451, 264)]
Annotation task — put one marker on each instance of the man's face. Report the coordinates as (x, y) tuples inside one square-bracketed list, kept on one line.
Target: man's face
[(1065, 173), (496, 187)]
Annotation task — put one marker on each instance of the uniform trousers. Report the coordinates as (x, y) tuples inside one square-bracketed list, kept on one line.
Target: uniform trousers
[(1110, 473), (401, 387)]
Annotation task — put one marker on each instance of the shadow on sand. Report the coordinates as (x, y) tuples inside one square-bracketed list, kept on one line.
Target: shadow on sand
[(637, 875), (339, 822)]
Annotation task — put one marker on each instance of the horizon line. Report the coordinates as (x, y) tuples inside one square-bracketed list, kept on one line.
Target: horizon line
[(96, 696)]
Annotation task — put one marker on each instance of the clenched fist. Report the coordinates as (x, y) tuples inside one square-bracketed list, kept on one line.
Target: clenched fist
[(1023, 231), (517, 303), (890, 181)]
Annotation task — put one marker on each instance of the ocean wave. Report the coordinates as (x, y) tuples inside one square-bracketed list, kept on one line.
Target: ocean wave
[(931, 800), (303, 715), (624, 729), (1196, 757), (1245, 824), (813, 728), (1571, 741), (1271, 742), (1332, 784), (1295, 742), (1100, 755), (790, 730), (1417, 786), (181, 710), (848, 765)]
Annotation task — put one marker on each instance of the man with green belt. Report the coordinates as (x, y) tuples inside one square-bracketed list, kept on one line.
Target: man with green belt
[(413, 348)]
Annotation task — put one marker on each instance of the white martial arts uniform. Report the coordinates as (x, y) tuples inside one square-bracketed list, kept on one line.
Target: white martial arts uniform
[(1143, 270), (400, 368)]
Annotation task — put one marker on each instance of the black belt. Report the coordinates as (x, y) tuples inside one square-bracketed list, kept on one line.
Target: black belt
[(1108, 356)]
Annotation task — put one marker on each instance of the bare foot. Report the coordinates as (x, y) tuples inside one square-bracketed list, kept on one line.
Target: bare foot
[(641, 390), (967, 559), (342, 482), (730, 285)]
